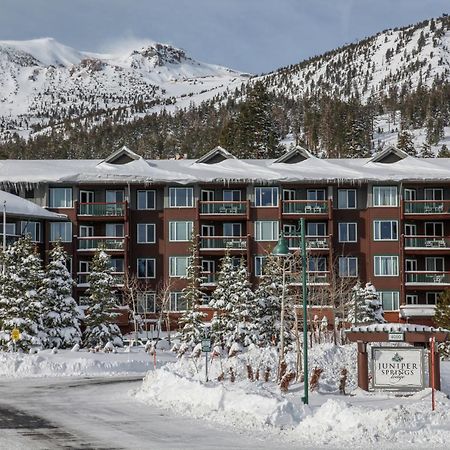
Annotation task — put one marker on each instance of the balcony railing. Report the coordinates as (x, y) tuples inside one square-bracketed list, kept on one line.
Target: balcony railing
[(10, 238), (427, 206), (83, 278), (104, 243), (418, 278), (313, 278), (223, 242), (312, 242), (102, 209), (208, 278), (305, 206), (427, 242), (223, 208)]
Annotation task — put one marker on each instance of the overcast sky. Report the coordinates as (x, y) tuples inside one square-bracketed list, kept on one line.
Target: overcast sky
[(249, 35)]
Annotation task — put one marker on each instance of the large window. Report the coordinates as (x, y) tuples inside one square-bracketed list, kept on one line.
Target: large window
[(61, 230), (266, 196), (434, 228), (346, 198), (117, 264), (347, 232), (386, 266), (259, 265), (32, 229), (146, 199), (434, 264), (389, 300), (115, 229), (316, 229), (231, 195), (431, 298), (232, 229), (146, 267), (146, 233), (315, 194), (180, 231), (317, 264), (115, 196), (348, 266), (60, 198), (177, 302), (146, 302), (10, 229), (385, 230), (384, 196), (266, 230), (181, 197), (178, 266)]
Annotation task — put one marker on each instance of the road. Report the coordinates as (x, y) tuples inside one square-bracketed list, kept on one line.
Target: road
[(100, 413)]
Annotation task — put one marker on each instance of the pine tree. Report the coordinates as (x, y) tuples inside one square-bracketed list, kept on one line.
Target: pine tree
[(61, 313), (191, 322), (405, 142), (100, 315), (425, 151), (444, 152), (20, 302), (365, 305), (442, 319)]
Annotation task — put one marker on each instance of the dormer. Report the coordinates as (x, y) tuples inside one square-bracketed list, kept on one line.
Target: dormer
[(216, 155), (389, 155), (122, 156), (296, 155)]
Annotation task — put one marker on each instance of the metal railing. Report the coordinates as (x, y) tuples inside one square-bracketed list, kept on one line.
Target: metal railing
[(223, 242), (312, 242), (104, 243), (314, 278), (223, 208), (305, 206), (427, 278), (208, 278), (83, 278), (426, 206), (102, 209), (427, 242)]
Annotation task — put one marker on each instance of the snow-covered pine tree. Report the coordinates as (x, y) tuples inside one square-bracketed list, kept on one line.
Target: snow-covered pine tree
[(405, 141), (373, 304), (442, 319), (365, 305), (191, 321), (61, 315), (100, 315), (20, 302)]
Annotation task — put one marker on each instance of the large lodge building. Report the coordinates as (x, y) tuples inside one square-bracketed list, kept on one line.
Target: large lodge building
[(384, 219)]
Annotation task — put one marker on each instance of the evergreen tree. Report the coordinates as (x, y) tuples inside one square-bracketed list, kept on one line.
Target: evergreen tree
[(444, 152), (100, 315), (61, 313), (425, 151), (405, 142), (20, 303), (442, 319), (191, 322), (365, 305)]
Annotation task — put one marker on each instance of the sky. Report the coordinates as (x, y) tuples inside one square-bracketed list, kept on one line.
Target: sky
[(254, 36)]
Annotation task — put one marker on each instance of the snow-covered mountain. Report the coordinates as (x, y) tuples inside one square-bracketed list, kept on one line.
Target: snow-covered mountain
[(399, 58), (43, 82)]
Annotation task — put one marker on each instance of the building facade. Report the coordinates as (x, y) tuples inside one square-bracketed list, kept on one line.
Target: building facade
[(384, 219)]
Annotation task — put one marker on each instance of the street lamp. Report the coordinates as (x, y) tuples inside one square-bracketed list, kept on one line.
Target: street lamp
[(282, 250)]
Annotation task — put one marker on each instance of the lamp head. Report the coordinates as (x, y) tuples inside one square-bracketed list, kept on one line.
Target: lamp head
[(282, 247)]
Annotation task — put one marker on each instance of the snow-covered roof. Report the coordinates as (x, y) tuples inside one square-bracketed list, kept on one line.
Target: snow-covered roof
[(395, 327), (230, 170), (19, 207)]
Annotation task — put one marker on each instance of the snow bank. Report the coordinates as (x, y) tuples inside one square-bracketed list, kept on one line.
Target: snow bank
[(67, 363)]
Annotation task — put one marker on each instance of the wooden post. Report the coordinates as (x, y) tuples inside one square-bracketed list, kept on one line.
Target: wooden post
[(434, 369), (363, 366)]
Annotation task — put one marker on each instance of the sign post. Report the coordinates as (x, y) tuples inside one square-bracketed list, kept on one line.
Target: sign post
[(206, 348), (432, 372), (15, 336)]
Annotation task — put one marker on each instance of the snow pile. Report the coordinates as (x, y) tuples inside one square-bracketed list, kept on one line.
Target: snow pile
[(79, 363)]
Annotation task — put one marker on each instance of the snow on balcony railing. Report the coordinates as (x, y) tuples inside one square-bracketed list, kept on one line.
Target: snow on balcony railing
[(426, 206), (223, 242), (427, 278), (102, 209), (312, 242), (427, 242), (305, 206), (223, 208), (104, 243)]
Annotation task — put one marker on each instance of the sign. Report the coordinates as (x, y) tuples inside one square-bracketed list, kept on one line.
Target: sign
[(15, 334), (206, 345), (398, 368), (397, 337)]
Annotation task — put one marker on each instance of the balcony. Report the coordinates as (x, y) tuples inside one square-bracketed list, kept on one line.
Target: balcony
[(426, 243), (426, 207), (82, 279), (407, 311), (313, 278), (10, 238), (220, 208), (223, 242), (427, 278), (312, 242), (208, 279), (102, 209), (306, 207), (104, 243)]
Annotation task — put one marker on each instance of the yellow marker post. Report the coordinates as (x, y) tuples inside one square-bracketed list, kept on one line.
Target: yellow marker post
[(15, 336)]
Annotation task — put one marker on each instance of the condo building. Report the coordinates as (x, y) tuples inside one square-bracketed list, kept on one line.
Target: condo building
[(384, 219)]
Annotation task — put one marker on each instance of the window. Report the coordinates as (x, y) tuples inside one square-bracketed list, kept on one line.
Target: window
[(434, 194), (32, 229), (180, 231), (61, 230), (315, 194), (384, 196), (146, 267), (317, 264), (178, 266), (348, 266), (410, 229), (266, 196), (431, 298), (146, 302), (60, 198), (232, 229), (181, 197), (146, 199), (116, 196), (266, 230), (347, 232), (231, 195), (259, 265), (434, 264), (409, 194), (346, 198), (86, 231), (10, 229), (114, 229), (146, 233), (434, 229), (386, 266), (389, 300), (412, 299), (316, 229), (385, 230), (117, 264), (177, 302), (288, 194)]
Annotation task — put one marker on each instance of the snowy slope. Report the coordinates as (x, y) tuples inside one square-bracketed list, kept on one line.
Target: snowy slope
[(43, 81)]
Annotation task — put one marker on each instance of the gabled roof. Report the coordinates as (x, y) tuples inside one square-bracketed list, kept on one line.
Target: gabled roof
[(297, 154), (216, 155), (389, 155), (122, 156)]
